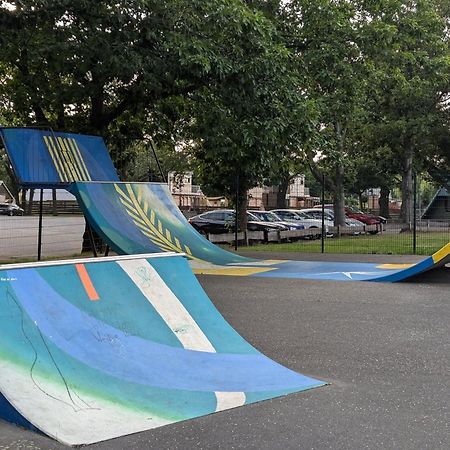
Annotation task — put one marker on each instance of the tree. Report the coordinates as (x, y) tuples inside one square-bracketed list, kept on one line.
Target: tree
[(408, 45), (217, 67), (325, 36)]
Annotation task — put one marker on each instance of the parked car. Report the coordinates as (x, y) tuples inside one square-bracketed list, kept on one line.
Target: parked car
[(222, 221), (10, 209), (297, 216), (355, 213), (329, 215), (271, 217)]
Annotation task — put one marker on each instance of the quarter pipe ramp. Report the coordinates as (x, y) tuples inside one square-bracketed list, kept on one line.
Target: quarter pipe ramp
[(92, 350)]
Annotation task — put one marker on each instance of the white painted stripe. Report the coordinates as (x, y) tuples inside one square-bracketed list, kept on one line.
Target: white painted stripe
[(227, 400), (167, 305), (177, 318)]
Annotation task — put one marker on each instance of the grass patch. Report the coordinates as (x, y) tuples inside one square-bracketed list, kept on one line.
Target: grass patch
[(388, 244)]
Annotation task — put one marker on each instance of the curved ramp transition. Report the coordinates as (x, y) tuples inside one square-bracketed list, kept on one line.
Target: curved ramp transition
[(95, 349)]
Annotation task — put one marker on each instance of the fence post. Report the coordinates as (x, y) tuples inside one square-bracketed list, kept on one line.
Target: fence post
[(236, 212), (41, 200), (323, 232), (414, 213)]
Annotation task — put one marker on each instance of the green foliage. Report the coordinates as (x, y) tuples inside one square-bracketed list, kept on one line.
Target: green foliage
[(262, 89)]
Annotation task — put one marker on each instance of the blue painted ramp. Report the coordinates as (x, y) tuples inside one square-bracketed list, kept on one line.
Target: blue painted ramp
[(137, 218), (43, 158), (95, 349)]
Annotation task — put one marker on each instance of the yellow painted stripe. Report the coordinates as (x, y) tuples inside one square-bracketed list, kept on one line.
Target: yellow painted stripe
[(233, 271), (188, 250), (123, 195), (73, 150), (152, 216), (63, 157), (395, 266), (59, 157), (442, 253), (155, 234), (88, 176), (157, 231), (78, 158), (137, 218), (168, 235), (61, 174), (145, 207), (66, 160), (72, 159), (51, 144), (126, 202), (177, 243), (160, 243)]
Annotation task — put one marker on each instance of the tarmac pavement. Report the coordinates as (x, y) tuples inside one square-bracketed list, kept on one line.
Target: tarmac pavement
[(384, 349)]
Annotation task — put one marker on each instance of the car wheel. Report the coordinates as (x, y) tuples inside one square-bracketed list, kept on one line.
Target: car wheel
[(10, 213), (314, 236)]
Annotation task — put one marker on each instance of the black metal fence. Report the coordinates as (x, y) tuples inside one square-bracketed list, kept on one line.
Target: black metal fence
[(427, 231)]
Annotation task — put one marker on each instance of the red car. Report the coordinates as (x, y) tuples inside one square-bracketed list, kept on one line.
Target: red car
[(354, 213)]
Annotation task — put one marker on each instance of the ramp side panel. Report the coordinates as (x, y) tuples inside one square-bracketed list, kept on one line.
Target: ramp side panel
[(83, 371), (142, 217)]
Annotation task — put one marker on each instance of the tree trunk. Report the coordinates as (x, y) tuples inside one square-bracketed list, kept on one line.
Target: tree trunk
[(12, 185), (406, 211), (23, 202), (242, 212), (339, 194), (383, 201), (30, 202), (54, 205), (339, 197), (281, 193), (360, 199), (242, 202)]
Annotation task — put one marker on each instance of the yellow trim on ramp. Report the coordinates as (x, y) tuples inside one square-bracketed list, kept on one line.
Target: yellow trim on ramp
[(441, 254), (232, 271), (395, 266)]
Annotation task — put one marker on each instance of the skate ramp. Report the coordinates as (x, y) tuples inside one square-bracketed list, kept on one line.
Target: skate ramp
[(142, 217), (92, 349), (138, 218), (42, 158)]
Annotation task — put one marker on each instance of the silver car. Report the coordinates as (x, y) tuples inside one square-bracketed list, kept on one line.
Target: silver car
[(297, 216)]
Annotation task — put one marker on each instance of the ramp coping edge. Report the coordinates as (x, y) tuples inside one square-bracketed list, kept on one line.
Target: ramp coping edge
[(64, 262)]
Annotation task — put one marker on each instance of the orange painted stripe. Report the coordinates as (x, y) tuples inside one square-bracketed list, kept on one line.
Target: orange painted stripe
[(87, 282)]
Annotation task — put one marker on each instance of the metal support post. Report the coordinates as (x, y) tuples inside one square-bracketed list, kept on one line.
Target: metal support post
[(323, 216), (236, 212), (41, 199)]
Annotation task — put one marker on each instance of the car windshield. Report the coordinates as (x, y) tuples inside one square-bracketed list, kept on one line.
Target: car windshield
[(303, 215), (354, 210), (265, 216)]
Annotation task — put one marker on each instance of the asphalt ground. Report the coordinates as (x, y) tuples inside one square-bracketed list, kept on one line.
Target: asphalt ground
[(384, 349)]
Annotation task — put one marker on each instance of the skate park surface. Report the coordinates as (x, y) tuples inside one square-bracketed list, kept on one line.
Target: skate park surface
[(382, 347)]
